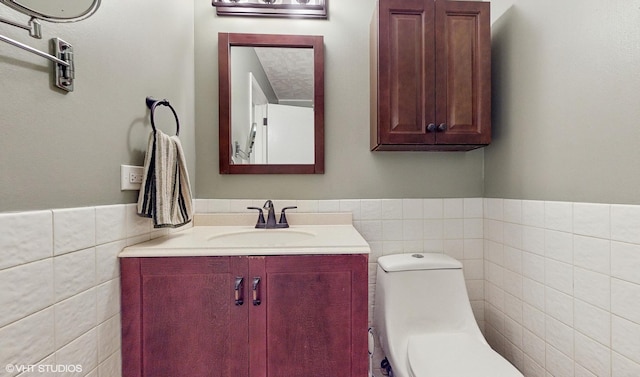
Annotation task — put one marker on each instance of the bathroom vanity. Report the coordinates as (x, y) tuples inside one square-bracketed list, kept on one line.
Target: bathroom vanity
[(236, 301)]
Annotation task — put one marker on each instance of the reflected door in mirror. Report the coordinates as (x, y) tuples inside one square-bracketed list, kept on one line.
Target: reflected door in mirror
[(272, 106)]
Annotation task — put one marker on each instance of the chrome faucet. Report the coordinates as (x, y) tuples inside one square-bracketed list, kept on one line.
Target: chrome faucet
[(270, 223)]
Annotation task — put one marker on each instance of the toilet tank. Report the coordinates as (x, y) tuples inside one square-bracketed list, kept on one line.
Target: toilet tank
[(420, 293)]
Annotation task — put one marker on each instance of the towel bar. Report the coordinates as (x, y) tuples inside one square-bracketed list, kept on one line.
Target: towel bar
[(153, 103)]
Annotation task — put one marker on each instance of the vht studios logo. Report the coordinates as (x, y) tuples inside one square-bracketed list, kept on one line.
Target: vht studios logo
[(43, 368)]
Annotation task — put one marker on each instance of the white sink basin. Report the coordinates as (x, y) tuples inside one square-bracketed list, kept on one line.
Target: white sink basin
[(262, 237)]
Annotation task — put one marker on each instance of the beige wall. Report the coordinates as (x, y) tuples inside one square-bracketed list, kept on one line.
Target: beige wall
[(65, 150), (565, 108), (352, 171), (566, 84)]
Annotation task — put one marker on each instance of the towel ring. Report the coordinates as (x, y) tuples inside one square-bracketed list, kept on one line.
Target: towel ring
[(152, 103)]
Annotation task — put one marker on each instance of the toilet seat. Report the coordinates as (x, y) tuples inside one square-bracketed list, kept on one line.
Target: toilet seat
[(455, 355)]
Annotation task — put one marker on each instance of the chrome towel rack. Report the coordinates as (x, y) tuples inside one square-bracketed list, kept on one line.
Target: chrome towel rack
[(153, 103)]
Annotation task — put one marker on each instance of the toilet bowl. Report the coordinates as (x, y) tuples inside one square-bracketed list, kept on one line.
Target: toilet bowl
[(424, 320)]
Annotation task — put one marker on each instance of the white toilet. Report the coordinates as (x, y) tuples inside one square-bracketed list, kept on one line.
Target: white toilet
[(424, 321)]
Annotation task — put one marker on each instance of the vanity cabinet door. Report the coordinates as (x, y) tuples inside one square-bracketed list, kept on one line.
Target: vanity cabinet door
[(179, 317), (312, 316), (300, 315)]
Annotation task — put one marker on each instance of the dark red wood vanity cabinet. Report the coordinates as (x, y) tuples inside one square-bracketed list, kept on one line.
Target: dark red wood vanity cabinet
[(275, 316), (430, 75)]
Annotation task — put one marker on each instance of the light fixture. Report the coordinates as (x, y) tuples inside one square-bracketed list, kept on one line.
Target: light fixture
[(272, 8)]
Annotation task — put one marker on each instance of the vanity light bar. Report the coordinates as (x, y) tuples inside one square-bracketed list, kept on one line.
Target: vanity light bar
[(272, 8)]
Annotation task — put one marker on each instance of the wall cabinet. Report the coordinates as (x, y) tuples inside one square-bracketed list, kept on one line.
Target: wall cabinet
[(430, 75), (293, 316)]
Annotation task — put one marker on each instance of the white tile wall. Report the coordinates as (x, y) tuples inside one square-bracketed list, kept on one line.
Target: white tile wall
[(25, 237), (554, 285), (60, 291), (579, 268)]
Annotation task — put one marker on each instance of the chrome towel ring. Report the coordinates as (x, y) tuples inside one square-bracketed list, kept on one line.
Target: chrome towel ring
[(153, 103)]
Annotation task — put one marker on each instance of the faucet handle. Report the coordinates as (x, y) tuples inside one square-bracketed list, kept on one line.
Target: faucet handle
[(261, 223), (283, 218)]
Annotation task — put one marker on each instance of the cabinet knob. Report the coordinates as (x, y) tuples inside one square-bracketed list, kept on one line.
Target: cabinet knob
[(431, 127), (442, 127)]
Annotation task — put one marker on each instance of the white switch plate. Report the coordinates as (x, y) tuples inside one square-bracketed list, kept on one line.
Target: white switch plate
[(130, 177)]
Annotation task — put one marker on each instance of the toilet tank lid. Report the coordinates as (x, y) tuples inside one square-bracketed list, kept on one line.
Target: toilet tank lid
[(418, 261)]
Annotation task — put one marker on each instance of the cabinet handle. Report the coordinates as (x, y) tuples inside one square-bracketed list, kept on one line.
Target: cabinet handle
[(431, 127), (442, 127), (256, 296), (237, 288)]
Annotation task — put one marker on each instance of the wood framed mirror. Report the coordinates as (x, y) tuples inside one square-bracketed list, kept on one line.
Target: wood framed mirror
[(271, 97)]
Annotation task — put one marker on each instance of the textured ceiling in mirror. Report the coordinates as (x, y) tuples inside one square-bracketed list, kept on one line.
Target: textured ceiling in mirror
[(290, 71)]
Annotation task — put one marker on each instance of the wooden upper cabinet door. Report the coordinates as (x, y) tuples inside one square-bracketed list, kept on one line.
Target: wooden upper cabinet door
[(190, 325), (405, 72), (463, 72), (430, 75), (314, 313)]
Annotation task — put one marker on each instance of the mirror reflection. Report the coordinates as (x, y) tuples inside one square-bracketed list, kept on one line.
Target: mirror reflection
[(272, 119), (271, 93)]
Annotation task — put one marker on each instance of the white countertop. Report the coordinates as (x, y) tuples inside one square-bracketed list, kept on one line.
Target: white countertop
[(313, 236)]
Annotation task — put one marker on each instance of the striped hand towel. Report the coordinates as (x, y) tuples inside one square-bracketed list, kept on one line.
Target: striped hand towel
[(165, 194)]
